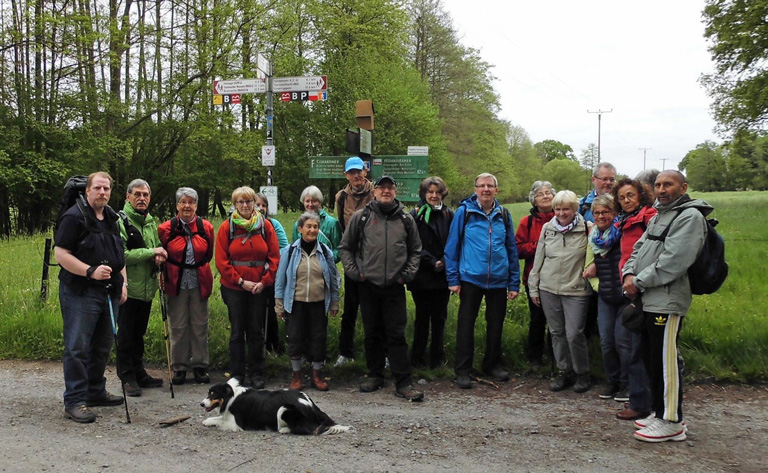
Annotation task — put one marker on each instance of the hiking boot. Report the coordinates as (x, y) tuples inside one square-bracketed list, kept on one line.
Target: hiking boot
[(149, 382), (257, 382), (201, 376), (343, 360), (464, 381), (132, 388), (562, 381), (622, 395), (107, 400), (80, 414), (295, 381), (583, 383), (409, 394), (498, 374), (661, 431), (609, 391), (318, 382), (371, 384), (179, 377)]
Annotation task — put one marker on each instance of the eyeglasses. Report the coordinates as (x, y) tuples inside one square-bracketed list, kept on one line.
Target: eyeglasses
[(606, 179), (543, 194), (485, 186), (141, 194), (600, 213), (244, 202)]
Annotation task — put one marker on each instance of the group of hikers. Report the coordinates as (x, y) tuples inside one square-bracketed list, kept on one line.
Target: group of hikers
[(624, 246)]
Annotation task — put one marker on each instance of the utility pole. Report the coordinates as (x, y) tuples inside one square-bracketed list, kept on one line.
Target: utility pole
[(644, 150), (599, 117), (663, 163)]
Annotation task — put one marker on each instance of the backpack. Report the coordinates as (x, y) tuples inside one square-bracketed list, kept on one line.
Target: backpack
[(135, 239), (74, 194), (407, 222), (178, 230), (710, 270), (232, 229), (504, 215)]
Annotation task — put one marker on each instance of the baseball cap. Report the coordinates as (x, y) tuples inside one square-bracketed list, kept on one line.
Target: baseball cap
[(354, 163), (384, 179)]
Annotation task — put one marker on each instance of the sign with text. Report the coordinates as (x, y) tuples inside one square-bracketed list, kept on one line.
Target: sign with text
[(268, 156), (230, 99), (298, 84), (327, 167), (401, 167), (271, 193), (241, 86), (418, 151), (262, 67)]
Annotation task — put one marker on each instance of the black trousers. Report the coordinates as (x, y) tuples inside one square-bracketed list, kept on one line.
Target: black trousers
[(469, 307), (246, 316), (431, 310), (349, 318), (272, 335), (659, 345), (132, 320), (537, 330), (307, 330), (384, 320)]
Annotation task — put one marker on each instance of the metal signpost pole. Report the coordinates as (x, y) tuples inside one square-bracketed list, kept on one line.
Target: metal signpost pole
[(270, 116)]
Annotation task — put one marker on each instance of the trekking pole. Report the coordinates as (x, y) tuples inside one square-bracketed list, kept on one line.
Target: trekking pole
[(117, 358), (164, 311)]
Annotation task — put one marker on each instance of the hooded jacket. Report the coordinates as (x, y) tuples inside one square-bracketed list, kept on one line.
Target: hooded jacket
[(559, 262), (176, 248), (140, 262), (244, 247), (433, 237), (527, 238), (482, 252), (382, 248), (661, 267), (632, 230)]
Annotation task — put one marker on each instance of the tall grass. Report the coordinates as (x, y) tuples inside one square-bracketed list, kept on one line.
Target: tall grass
[(723, 335)]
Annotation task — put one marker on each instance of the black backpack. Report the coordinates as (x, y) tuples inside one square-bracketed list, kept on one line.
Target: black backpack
[(710, 270), (74, 194), (135, 238)]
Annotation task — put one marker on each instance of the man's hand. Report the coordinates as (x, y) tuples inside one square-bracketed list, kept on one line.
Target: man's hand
[(512, 295), (102, 273), (630, 290), (124, 294), (455, 289), (536, 300), (160, 255)]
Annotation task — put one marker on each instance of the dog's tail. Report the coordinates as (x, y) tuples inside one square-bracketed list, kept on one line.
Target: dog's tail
[(334, 429)]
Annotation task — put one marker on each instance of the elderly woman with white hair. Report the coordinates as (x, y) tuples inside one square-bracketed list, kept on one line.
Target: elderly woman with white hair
[(527, 239), (330, 229), (557, 285)]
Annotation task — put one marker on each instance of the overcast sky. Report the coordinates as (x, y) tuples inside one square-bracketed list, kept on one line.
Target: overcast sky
[(555, 60)]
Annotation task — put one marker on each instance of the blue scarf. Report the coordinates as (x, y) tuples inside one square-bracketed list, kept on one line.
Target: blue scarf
[(601, 242)]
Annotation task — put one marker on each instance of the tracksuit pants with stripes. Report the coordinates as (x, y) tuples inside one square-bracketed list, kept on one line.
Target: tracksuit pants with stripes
[(660, 335)]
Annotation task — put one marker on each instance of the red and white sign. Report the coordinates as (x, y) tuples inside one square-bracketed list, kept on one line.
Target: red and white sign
[(299, 84), (268, 156), (303, 96)]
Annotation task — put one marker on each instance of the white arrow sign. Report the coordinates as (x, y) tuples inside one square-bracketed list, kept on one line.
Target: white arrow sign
[(241, 86), (299, 84)]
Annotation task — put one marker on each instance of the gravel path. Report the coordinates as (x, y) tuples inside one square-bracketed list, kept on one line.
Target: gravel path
[(521, 427)]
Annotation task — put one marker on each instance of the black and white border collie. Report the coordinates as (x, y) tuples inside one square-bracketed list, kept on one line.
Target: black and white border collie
[(287, 412)]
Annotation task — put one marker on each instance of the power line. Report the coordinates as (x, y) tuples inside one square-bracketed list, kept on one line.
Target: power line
[(644, 150), (599, 116)]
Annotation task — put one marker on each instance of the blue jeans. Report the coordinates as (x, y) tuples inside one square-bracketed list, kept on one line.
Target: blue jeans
[(88, 339), (615, 342)]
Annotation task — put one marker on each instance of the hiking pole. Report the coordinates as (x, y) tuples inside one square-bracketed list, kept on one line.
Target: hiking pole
[(164, 311), (117, 358)]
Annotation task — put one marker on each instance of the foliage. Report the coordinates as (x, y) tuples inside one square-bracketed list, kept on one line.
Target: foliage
[(549, 150), (705, 168), (566, 174)]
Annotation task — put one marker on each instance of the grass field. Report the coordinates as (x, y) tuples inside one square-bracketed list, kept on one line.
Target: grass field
[(723, 336)]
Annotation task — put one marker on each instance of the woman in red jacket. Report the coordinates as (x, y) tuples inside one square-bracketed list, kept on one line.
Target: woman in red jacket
[(247, 254), (527, 237), (188, 239)]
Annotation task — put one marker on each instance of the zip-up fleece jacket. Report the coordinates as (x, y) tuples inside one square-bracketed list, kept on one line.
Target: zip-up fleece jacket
[(482, 252), (661, 267), (383, 248), (140, 262), (559, 262), (177, 250), (244, 247), (527, 238), (330, 233), (632, 230), (296, 278), (353, 201)]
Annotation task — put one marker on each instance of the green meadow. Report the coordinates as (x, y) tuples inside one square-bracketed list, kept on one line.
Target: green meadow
[(723, 337)]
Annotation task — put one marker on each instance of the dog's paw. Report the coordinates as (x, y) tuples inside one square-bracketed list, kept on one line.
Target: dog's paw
[(211, 421), (284, 430)]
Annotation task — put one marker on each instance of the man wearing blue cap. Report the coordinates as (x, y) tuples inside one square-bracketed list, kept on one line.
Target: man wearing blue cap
[(353, 197)]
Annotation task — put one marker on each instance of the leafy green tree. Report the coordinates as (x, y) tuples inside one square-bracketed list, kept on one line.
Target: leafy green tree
[(549, 150), (705, 167), (565, 174)]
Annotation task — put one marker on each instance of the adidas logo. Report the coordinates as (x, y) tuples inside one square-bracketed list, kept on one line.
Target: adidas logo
[(660, 320)]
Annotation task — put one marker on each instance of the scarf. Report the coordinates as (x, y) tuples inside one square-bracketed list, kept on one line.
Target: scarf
[(565, 229), (622, 218), (251, 225), (601, 242), (425, 211)]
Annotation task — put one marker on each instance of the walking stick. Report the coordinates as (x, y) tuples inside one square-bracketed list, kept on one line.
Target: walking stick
[(164, 311), (117, 358)]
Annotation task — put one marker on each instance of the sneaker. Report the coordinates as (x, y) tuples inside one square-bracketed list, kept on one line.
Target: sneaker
[(661, 431), (609, 391), (622, 395), (583, 383), (386, 362), (107, 400), (409, 394), (132, 388), (648, 420), (257, 382), (498, 374), (201, 376), (371, 384), (80, 414), (562, 381), (464, 381), (149, 382), (179, 377), (343, 360)]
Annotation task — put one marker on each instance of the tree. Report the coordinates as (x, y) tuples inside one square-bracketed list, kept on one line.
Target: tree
[(589, 157), (705, 167), (738, 35), (549, 150), (565, 174)]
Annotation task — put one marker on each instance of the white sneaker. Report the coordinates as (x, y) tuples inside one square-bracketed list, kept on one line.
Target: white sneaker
[(343, 360), (643, 423), (661, 431)]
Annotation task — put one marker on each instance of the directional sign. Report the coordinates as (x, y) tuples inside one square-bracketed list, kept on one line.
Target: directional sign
[(299, 84), (270, 192), (242, 86), (262, 67), (303, 95)]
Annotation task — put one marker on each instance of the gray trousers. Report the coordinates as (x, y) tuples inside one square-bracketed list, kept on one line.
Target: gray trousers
[(567, 317), (188, 318)]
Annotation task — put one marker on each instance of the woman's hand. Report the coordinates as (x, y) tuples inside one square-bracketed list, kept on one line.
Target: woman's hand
[(257, 288), (536, 301), (334, 312), (281, 316), (590, 272)]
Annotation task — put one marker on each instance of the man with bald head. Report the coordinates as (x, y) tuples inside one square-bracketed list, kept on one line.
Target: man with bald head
[(658, 272)]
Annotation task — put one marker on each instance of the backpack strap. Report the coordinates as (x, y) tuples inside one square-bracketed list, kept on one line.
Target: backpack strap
[(340, 209), (664, 234), (175, 225)]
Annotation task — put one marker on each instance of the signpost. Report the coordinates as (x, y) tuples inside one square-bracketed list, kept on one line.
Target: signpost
[(268, 157), (271, 193), (240, 86), (299, 84)]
